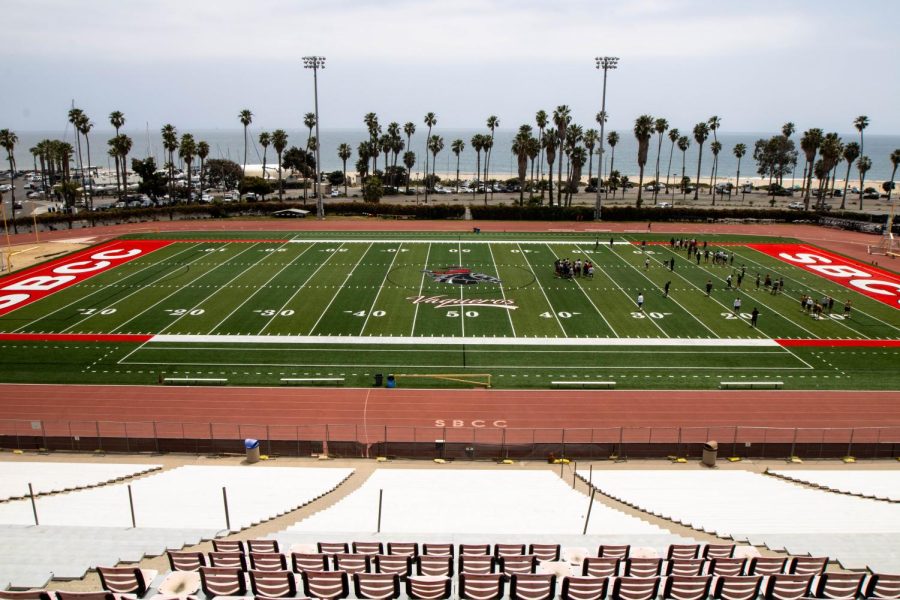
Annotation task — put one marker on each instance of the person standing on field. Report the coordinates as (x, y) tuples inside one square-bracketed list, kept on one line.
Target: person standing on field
[(736, 307), (847, 307), (666, 289), (640, 301), (646, 264), (753, 317), (708, 287)]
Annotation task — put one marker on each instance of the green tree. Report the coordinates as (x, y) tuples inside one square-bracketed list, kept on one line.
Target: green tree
[(224, 174), (660, 126), (684, 142), (409, 161), (643, 129), (551, 139), (245, 117), (830, 150), (541, 119), (265, 138), (714, 123), (152, 183), (344, 153), (863, 165), (520, 146), (84, 126), (170, 144), (372, 190), (715, 147), (674, 134), (256, 185), (701, 133), (860, 123), (8, 140), (492, 123), (850, 154), (435, 145), (117, 120), (122, 147), (590, 142), (76, 116), (477, 142), (409, 128), (895, 161), (612, 138), (280, 142), (202, 153)]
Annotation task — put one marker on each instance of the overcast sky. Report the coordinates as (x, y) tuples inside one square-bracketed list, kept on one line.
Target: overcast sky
[(197, 63)]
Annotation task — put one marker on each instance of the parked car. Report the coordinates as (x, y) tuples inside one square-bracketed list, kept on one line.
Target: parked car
[(871, 193), (17, 205), (796, 206), (36, 195), (5, 187), (206, 199), (665, 205)]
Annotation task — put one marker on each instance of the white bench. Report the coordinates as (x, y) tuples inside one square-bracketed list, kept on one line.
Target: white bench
[(584, 384), (196, 380), (301, 380), (751, 385)]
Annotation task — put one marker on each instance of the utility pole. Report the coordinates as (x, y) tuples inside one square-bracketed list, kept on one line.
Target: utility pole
[(606, 63), (315, 63)]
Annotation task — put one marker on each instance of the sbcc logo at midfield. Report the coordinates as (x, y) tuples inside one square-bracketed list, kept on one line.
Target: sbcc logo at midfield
[(460, 276)]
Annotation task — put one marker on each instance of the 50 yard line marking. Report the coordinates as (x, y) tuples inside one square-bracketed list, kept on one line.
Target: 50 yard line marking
[(575, 279), (346, 279), (380, 287), (81, 298), (262, 287), (540, 287), (462, 309), (297, 291)]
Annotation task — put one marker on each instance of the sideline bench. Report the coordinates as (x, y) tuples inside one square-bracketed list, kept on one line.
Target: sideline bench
[(300, 380), (751, 385), (196, 380), (584, 384)]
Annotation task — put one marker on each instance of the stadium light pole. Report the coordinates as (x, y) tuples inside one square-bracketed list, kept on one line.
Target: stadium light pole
[(315, 63), (606, 63)]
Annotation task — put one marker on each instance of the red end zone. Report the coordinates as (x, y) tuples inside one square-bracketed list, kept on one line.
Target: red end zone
[(30, 285), (868, 280)]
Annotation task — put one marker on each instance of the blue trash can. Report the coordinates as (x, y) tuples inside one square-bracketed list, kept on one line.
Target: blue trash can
[(252, 448), (391, 382)]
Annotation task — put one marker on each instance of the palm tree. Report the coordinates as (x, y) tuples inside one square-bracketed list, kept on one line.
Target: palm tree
[(578, 159), (850, 154), (574, 134), (117, 120), (674, 134), (409, 161), (75, 117), (170, 143), (492, 122), (202, 153), (561, 118), (265, 138), (477, 142), (551, 139), (123, 147), (520, 149), (245, 117), (895, 161), (684, 143), (186, 151), (279, 142), (344, 153), (863, 165), (860, 123), (436, 144), (8, 140), (431, 121), (457, 147), (714, 124), (385, 144), (396, 146), (787, 130), (612, 138), (541, 119), (114, 153), (739, 151), (601, 119), (701, 133), (590, 142), (809, 143), (84, 126), (643, 129), (660, 126), (715, 147), (831, 155), (409, 128), (534, 150)]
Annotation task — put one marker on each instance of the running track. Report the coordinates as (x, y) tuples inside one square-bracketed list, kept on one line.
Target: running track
[(368, 409)]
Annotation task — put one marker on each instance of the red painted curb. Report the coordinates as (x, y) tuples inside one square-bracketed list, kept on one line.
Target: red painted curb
[(841, 343), (120, 338)]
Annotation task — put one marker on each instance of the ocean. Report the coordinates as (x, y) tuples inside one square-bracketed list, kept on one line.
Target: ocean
[(228, 143)]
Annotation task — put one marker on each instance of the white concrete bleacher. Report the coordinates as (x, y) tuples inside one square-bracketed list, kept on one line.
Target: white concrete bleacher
[(92, 527), (869, 483), (472, 501), (50, 477), (745, 506)]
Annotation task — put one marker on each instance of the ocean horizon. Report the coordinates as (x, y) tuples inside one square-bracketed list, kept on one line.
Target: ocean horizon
[(229, 143)]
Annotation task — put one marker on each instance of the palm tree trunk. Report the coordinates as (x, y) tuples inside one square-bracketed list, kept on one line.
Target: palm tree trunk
[(560, 154), (541, 163), (697, 184), (669, 170), (345, 178), (846, 181), (550, 182), (590, 164), (656, 184), (457, 173), (280, 186), (737, 180)]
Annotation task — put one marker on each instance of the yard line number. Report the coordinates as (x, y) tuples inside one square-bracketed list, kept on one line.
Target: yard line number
[(652, 315)]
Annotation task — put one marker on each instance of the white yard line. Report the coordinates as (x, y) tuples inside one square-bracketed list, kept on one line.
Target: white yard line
[(380, 287), (102, 289), (421, 287), (297, 291), (616, 283), (756, 300), (260, 288), (856, 309), (540, 287), (462, 308), (445, 241), (336, 294), (216, 291), (575, 279), (705, 326), (502, 293), (456, 341), (180, 288)]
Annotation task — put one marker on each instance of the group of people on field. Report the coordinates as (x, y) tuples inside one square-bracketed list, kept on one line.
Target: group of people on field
[(817, 308), (567, 269)]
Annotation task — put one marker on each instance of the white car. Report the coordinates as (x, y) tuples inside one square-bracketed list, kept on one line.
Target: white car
[(665, 205), (796, 206), (206, 199), (5, 187)]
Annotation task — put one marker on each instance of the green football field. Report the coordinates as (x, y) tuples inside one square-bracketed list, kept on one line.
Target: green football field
[(260, 308)]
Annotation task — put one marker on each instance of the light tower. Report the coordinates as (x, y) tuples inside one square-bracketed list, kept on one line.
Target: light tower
[(315, 63), (606, 63)]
